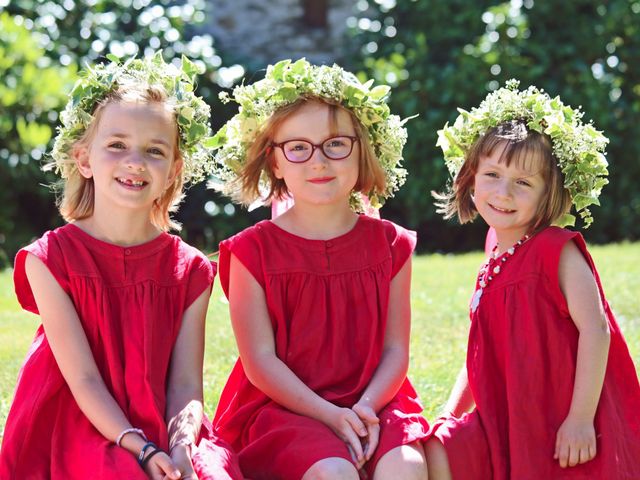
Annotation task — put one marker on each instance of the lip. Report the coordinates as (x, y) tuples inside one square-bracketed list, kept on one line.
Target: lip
[(321, 179), (501, 210)]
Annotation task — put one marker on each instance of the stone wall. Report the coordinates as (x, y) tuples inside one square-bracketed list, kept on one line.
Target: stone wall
[(255, 32)]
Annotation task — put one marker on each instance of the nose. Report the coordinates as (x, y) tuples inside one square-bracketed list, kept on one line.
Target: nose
[(318, 157), (135, 161), (504, 188)]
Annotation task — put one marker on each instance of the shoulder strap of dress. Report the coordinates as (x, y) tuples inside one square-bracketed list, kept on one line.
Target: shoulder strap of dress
[(246, 247), (402, 243), (556, 239), (47, 248)]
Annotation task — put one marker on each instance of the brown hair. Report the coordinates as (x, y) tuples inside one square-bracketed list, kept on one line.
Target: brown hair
[(260, 159), (522, 146), (77, 199)]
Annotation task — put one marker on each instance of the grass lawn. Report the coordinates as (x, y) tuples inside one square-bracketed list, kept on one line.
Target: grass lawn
[(441, 288)]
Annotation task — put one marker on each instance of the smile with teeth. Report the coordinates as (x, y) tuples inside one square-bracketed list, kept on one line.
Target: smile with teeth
[(503, 210), (131, 183)]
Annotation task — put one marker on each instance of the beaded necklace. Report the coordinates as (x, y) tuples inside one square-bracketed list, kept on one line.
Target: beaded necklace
[(487, 273)]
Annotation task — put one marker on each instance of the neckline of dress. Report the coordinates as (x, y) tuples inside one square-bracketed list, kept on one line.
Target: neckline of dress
[(342, 239), (140, 250)]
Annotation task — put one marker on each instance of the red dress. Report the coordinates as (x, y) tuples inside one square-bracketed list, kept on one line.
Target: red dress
[(130, 301), (328, 306), (521, 361)]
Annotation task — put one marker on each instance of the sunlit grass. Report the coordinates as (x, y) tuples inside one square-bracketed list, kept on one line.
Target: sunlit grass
[(442, 285)]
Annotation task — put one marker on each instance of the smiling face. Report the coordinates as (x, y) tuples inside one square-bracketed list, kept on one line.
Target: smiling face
[(319, 180), (508, 197), (131, 155)]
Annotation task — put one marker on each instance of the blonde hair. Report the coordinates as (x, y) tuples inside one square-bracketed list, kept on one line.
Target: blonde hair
[(260, 157), (77, 198), (522, 146)]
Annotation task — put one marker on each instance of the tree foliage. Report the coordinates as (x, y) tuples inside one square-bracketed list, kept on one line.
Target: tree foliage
[(33, 87), (436, 55), (444, 55), (43, 44)]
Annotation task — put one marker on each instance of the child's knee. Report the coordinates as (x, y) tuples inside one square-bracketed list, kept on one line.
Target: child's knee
[(406, 462), (434, 451), (437, 459), (332, 468)]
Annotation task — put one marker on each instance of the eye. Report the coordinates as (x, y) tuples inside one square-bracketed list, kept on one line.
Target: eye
[(156, 151), (335, 142), (491, 174), (117, 145), (297, 146), (524, 183)]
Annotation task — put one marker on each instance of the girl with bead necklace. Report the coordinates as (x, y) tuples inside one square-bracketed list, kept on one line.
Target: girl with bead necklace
[(549, 389), (318, 296), (112, 384)]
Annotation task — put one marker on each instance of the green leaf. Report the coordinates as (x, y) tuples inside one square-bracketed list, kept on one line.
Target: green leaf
[(379, 92)]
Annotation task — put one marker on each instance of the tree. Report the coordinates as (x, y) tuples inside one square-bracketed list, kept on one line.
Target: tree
[(42, 46), (32, 91), (443, 55)]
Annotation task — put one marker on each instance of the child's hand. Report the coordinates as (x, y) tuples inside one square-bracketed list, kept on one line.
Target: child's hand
[(372, 422), (349, 428), (575, 442), (180, 454), (161, 467)]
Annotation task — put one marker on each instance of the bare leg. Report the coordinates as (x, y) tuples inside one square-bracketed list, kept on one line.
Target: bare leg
[(406, 462), (331, 468), (437, 460)]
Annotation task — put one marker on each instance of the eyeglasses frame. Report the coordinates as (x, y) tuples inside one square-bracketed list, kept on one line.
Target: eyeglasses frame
[(315, 146)]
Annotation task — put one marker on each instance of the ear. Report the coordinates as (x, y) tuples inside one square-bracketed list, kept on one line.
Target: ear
[(272, 161), (176, 169), (80, 154)]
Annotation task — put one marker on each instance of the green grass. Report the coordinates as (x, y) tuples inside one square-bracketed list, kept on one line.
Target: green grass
[(441, 288)]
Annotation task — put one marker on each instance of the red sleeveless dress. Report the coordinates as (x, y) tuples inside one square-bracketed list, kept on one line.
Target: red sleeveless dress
[(521, 362), (130, 301), (328, 306)]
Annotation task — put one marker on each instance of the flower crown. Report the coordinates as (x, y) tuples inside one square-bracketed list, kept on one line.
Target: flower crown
[(95, 84), (284, 83), (577, 147)]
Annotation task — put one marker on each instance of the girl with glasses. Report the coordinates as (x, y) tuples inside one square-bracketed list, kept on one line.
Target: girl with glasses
[(318, 296)]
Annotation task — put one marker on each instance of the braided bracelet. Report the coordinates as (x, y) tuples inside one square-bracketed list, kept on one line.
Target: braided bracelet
[(130, 430)]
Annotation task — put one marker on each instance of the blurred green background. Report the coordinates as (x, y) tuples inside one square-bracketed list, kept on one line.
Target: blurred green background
[(436, 55)]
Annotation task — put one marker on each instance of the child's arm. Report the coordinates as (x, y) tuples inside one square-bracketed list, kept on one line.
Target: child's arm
[(256, 344), (74, 358), (394, 362), (461, 399), (576, 438), (184, 387)]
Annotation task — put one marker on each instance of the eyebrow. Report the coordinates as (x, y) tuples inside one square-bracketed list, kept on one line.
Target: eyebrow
[(153, 140)]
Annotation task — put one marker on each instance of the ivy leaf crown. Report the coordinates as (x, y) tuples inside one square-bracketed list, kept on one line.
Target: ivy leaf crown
[(97, 82), (284, 83), (578, 147)]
